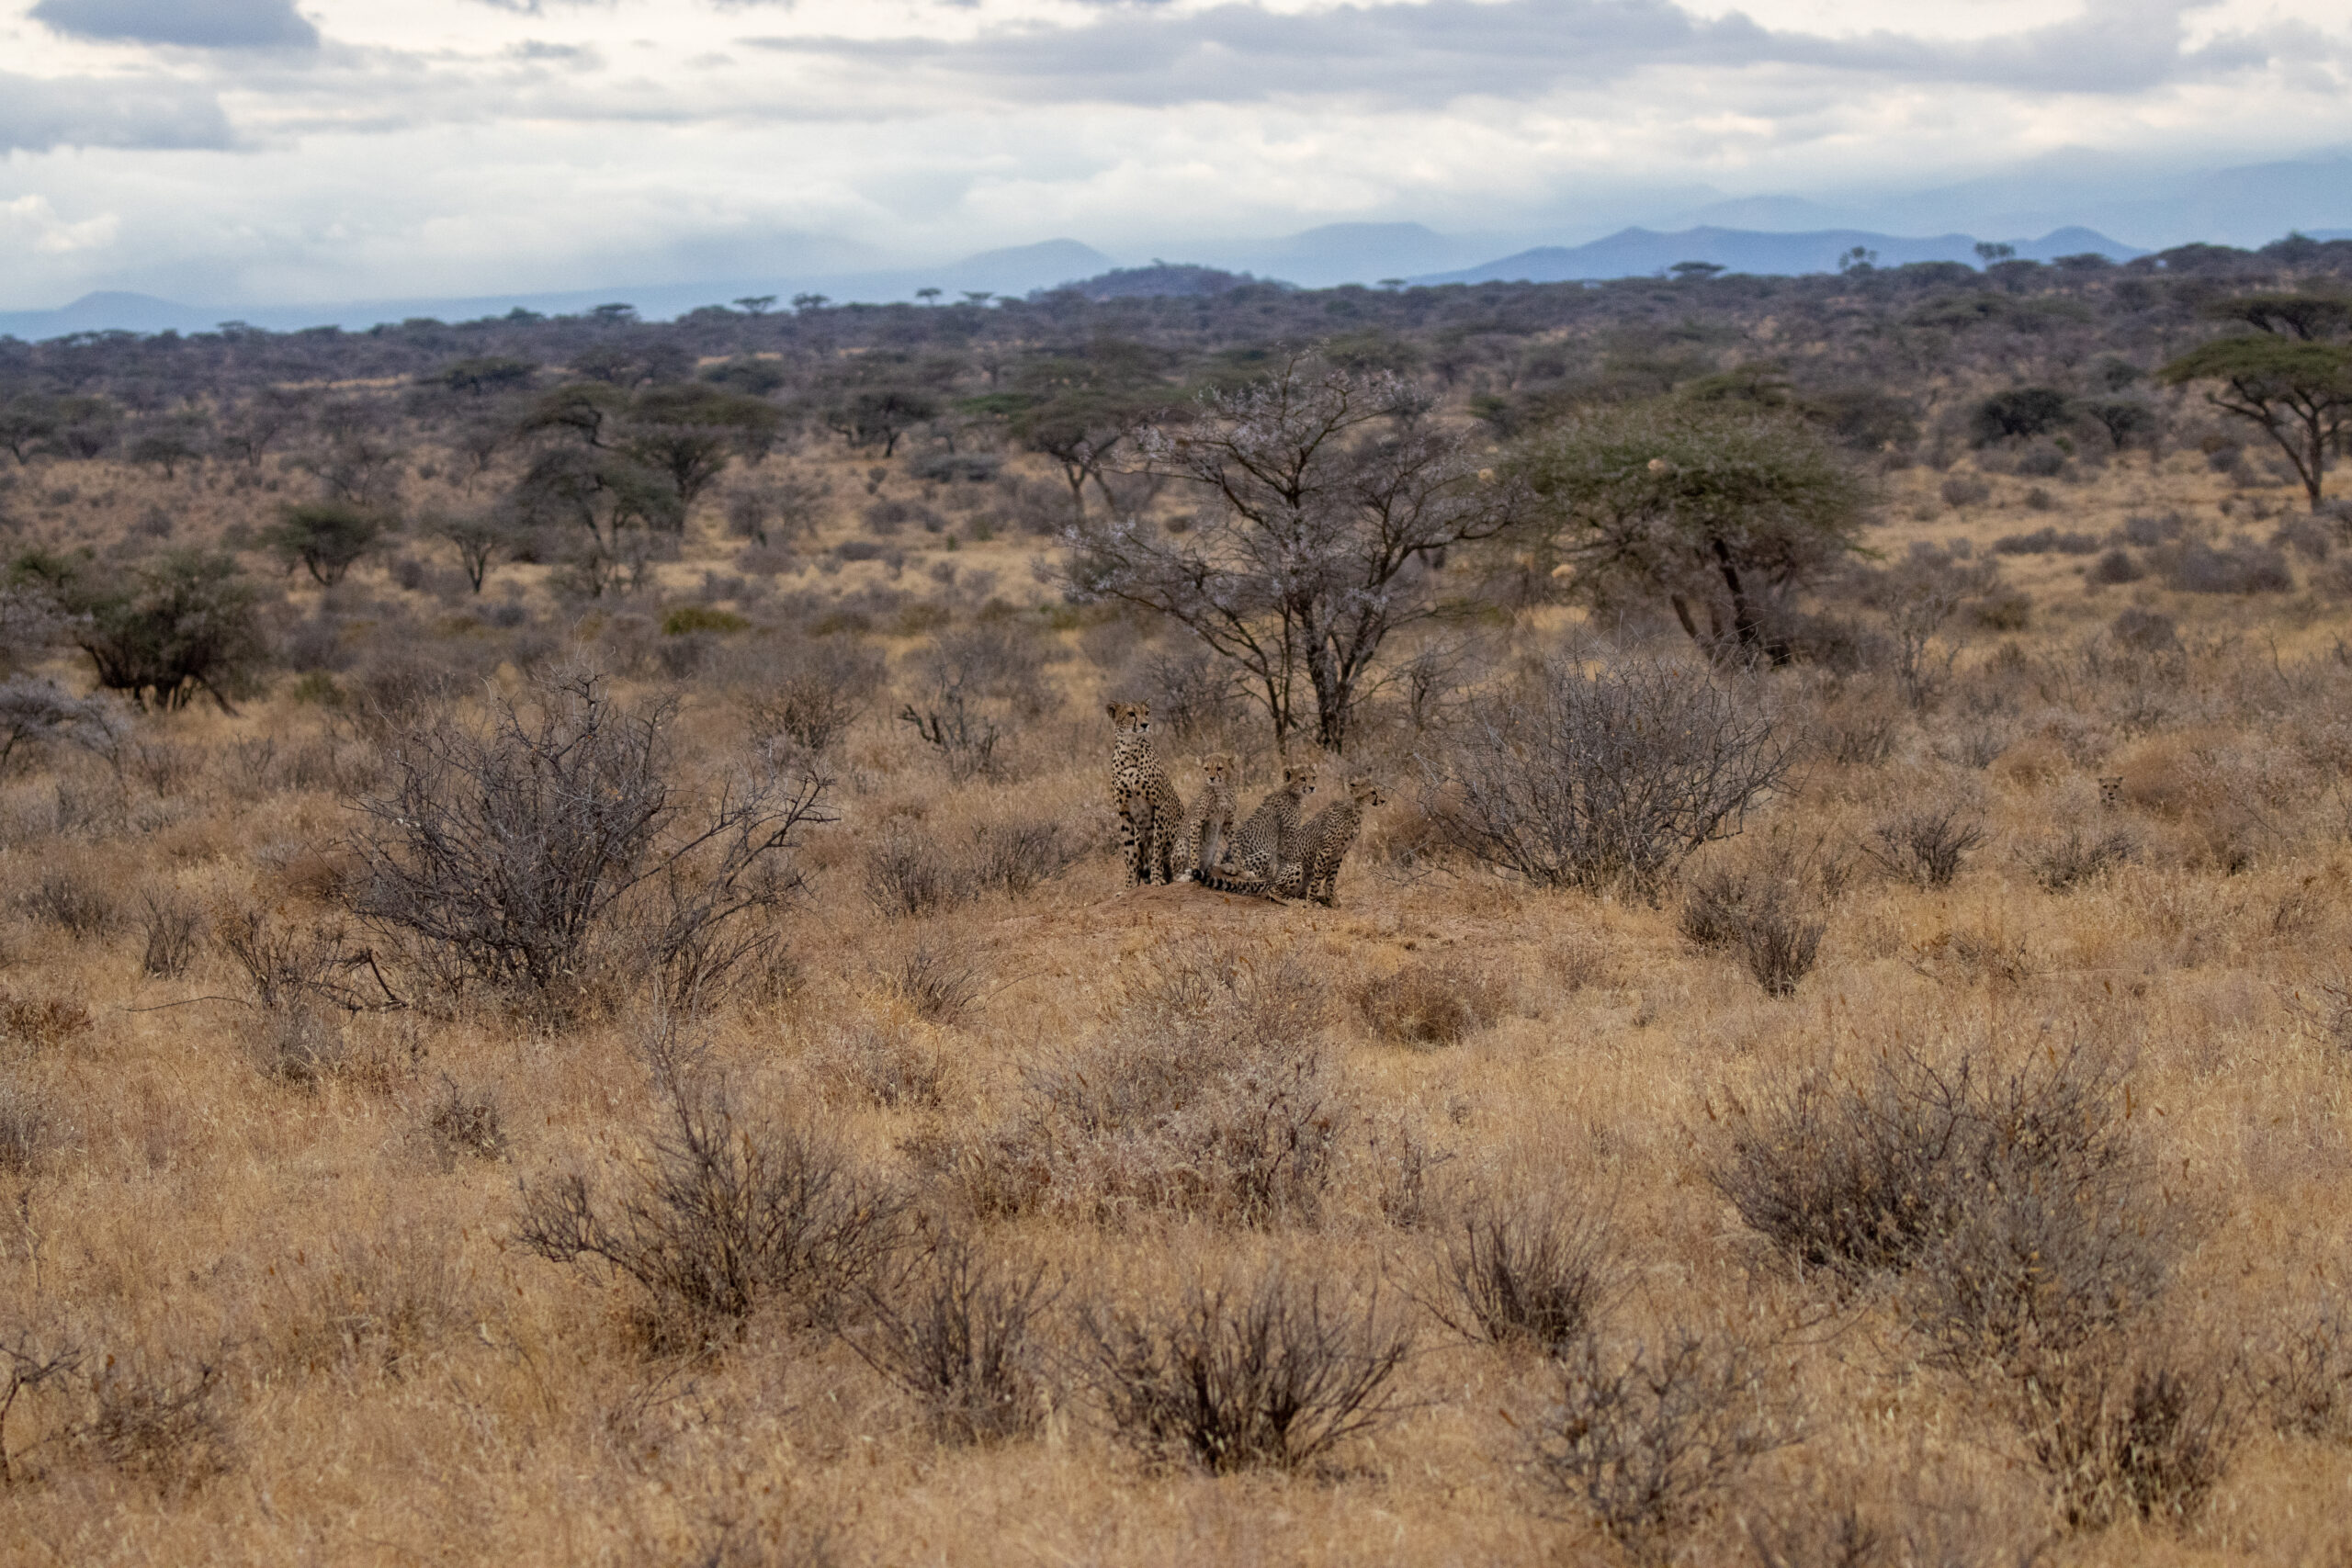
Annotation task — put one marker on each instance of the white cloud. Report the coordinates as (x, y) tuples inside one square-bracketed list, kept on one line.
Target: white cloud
[(32, 222), (457, 146)]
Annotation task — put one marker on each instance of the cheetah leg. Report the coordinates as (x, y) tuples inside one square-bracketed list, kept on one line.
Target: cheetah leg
[(1212, 840), (1129, 844)]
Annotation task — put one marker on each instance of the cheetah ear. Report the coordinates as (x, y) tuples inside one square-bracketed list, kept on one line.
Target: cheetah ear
[(1112, 709)]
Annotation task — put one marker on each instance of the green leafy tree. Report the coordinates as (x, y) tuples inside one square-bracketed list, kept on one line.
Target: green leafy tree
[(606, 503), (882, 415), (184, 625), (1082, 409), (2019, 412), (325, 538), (27, 424), (487, 374), (687, 431), (1720, 510), (2297, 392), (480, 540)]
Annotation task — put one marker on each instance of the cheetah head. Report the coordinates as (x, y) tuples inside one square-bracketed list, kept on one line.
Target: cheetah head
[(1218, 767), (1299, 776), (1366, 793), (1129, 717)]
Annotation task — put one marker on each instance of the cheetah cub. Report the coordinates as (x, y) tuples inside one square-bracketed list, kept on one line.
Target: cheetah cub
[(1330, 835), (1150, 811), (1268, 846), (1211, 822)]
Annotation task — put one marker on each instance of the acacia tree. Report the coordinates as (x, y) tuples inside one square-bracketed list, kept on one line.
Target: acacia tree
[(1720, 510), (2297, 392), (1331, 502)]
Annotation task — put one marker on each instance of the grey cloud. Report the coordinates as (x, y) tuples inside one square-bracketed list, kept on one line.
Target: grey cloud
[(201, 24), (37, 114), (1448, 49)]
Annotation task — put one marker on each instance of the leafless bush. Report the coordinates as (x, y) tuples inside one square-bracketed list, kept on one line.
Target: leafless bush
[(1650, 1436), (885, 1061), (1924, 847), (36, 711), (1766, 911), (289, 967), (721, 1212), (1523, 1270), (2011, 1196), (1402, 1164), (813, 692), (2129, 1433), (1587, 778), (1014, 856), (43, 1021), (173, 927), (1241, 1375), (550, 847), (908, 874), (2304, 1377), (1429, 1004), (158, 1419), (30, 1362), (79, 904), (468, 1123), (937, 979), (28, 1128), (380, 1301), (959, 1332), (2067, 863), (1212, 1094)]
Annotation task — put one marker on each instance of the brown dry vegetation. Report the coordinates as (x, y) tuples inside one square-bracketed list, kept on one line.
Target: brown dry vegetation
[(981, 1208)]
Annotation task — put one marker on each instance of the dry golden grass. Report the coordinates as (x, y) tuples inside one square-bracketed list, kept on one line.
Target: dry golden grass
[(395, 1378)]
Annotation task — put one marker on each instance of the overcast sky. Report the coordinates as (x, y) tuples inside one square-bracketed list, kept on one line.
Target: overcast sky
[(309, 150)]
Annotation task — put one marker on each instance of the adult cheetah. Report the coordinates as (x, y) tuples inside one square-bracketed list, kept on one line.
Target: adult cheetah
[(1268, 845), (1150, 811), (1330, 835), (1211, 821)]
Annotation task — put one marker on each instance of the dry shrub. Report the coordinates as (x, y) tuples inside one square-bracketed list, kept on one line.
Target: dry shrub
[(2065, 863), (960, 1333), (1588, 777), (2011, 1197), (42, 1022), (938, 980), (1431, 1004), (1015, 856), (909, 874), (381, 1303), (885, 1061), (1212, 1093), (80, 905), (1651, 1436), (159, 1418), (2303, 1377), (1269, 1372), (1766, 911), (552, 849), (813, 692), (466, 1123), (173, 927), (1402, 1164), (2128, 1431), (1924, 847), (1525, 1269), (29, 1128), (721, 1212)]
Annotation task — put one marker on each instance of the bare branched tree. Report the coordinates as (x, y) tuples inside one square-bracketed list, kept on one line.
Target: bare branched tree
[(1332, 501), (504, 855)]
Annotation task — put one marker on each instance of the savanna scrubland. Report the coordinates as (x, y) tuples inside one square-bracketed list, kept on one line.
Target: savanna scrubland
[(568, 991)]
